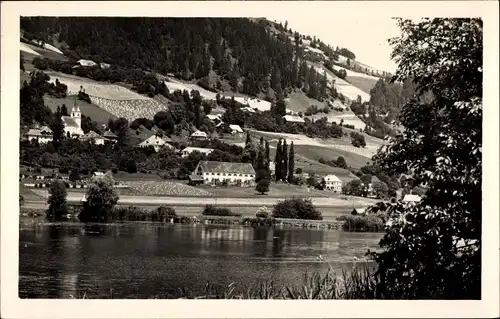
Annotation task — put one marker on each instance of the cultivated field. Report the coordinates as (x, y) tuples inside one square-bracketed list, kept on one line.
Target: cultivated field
[(342, 143), (88, 109), (279, 190), (129, 109), (316, 152), (166, 188)]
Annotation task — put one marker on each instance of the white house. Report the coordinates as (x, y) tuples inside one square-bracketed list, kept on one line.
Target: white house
[(93, 137), (43, 135), (104, 65), (214, 117), (248, 109), (235, 129), (156, 142), (293, 119), (411, 198), (213, 173), (188, 150), (110, 136), (333, 183), (83, 62), (73, 123), (199, 135)]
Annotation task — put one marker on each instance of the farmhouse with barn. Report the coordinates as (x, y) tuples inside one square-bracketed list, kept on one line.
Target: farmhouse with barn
[(216, 173)]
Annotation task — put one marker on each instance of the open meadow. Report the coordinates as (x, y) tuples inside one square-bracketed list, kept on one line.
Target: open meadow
[(88, 109)]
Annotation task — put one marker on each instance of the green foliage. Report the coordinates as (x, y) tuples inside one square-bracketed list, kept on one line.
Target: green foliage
[(358, 139), (354, 188), (210, 210), (296, 208), (58, 207), (442, 140), (101, 197), (380, 189), (362, 223)]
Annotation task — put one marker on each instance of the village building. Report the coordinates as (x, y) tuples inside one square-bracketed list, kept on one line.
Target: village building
[(156, 142), (214, 117), (188, 150), (73, 123), (93, 137), (83, 62), (235, 129), (217, 173), (43, 135), (110, 136), (247, 109), (199, 135), (293, 119), (333, 183), (411, 198)]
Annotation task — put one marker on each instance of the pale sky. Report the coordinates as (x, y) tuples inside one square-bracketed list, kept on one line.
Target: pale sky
[(366, 37)]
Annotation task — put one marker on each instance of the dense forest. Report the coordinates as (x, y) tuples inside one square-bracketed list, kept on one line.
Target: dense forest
[(242, 53)]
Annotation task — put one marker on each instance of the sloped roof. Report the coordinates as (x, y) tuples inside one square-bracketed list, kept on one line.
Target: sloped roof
[(196, 177), (199, 133), (83, 62), (213, 116), (332, 178), (226, 167), (375, 179), (235, 127), (34, 132), (90, 135), (199, 149), (412, 198), (294, 119), (109, 134), (69, 121), (45, 129), (153, 140)]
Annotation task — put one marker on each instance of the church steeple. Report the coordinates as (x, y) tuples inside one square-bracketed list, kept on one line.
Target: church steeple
[(76, 114)]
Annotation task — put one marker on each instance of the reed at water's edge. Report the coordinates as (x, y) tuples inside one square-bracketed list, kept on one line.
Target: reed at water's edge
[(359, 283)]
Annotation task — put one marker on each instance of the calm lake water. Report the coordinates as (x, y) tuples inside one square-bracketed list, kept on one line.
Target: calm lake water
[(142, 260)]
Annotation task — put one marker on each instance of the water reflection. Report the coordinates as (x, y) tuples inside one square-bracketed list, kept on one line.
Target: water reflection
[(140, 259)]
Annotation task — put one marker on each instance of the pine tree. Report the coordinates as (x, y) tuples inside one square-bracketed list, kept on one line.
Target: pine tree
[(197, 115), (57, 129), (291, 163), (262, 175), (278, 162), (268, 158), (64, 110), (248, 140), (284, 163)]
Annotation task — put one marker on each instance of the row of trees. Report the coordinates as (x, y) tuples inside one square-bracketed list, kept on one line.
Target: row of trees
[(284, 162)]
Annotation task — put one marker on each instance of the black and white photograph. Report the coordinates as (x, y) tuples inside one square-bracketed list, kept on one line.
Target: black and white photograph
[(272, 156)]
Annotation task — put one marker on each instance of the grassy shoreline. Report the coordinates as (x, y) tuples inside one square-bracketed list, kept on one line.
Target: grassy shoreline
[(347, 223), (358, 283)]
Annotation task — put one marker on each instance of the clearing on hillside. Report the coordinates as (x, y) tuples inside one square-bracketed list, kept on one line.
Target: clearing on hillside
[(112, 98)]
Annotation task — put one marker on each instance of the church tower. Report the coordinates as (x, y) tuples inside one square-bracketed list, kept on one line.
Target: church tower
[(76, 115)]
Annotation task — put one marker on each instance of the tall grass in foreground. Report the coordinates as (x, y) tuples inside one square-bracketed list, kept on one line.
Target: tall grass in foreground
[(355, 284)]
